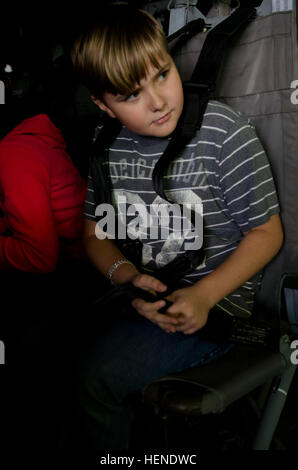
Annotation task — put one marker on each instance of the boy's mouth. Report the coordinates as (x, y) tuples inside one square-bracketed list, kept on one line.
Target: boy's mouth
[(163, 119)]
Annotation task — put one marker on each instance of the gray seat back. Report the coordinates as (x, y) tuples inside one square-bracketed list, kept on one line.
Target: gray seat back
[(258, 79)]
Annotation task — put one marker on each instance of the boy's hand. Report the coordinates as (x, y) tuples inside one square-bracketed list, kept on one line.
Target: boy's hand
[(190, 308), (150, 309)]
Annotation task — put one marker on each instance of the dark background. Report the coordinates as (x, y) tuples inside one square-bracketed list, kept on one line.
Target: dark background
[(36, 43)]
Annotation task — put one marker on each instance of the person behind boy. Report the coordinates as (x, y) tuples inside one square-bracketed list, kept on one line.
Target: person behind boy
[(43, 267), (125, 63)]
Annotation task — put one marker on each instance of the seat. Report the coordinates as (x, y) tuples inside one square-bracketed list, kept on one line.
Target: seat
[(252, 82), (211, 388)]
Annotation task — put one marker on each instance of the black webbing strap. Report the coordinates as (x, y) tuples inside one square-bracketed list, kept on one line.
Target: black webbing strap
[(102, 185), (99, 156), (187, 31), (197, 93), (198, 90), (184, 34), (211, 56)]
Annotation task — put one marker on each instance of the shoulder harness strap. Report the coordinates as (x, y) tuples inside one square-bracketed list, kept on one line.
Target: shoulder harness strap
[(197, 93)]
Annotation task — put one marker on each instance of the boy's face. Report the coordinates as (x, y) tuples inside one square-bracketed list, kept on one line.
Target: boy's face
[(153, 109)]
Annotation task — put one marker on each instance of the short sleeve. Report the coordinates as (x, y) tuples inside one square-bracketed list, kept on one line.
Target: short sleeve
[(245, 177)]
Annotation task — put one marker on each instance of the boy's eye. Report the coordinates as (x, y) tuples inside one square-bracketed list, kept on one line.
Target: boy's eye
[(132, 96), (163, 74)]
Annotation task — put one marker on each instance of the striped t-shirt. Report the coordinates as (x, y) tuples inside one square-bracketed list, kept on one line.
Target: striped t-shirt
[(223, 173)]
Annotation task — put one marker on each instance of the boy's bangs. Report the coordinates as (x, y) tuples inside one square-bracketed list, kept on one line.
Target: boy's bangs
[(131, 65), (117, 52)]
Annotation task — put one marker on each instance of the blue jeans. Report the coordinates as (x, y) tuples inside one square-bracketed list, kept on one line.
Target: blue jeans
[(129, 355)]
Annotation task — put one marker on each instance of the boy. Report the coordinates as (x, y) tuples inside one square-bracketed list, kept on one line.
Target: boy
[(125, 63)]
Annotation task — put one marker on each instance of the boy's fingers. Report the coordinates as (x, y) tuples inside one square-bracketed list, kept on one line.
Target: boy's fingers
[(187, 328), (167, 328), (190, 331), (145, 281), (174, 296), (163, 319), (147, 307), (150, 310), (174, 309), (182, 328)]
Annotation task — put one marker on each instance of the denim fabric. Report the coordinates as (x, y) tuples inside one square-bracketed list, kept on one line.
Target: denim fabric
[(129, 355)]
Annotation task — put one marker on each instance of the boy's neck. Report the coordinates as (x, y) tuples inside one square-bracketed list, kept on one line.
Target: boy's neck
[(146, 140)]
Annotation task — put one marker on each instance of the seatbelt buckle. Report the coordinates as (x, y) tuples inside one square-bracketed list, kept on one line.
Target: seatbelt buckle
[(176, 269)]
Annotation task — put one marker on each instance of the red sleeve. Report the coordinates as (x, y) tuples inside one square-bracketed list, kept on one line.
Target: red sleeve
[(25, 182)]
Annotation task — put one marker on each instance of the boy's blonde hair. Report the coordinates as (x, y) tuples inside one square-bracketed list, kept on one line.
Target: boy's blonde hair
[(115, 53)]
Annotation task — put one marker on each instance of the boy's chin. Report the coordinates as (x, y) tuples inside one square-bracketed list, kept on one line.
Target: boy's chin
[(162, 131)]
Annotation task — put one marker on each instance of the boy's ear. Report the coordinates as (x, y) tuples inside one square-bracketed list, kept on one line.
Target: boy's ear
[(103, 106)]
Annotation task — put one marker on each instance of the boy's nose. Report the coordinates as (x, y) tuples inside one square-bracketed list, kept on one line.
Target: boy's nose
[(156, 101)]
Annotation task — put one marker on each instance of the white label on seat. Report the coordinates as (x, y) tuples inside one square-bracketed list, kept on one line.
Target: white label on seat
[(282, 5)]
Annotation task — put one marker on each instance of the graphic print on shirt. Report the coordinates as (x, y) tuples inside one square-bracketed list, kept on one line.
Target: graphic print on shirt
[(164, 228)]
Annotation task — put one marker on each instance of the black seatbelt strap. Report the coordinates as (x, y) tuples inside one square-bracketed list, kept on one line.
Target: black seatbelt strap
[(184, 34), (98, 160), (102, 186), (197, 93), (198, 90), (211, 56)]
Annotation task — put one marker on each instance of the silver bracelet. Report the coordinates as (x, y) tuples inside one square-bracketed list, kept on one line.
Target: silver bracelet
[(115, 266)]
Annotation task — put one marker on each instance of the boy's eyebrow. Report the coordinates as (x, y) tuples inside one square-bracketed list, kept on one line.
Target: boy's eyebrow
[(165, 66), (137, 88)]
